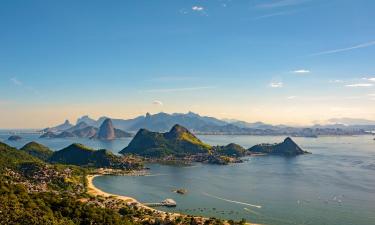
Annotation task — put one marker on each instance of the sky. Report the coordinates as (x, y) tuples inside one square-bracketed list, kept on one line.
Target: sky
[(294, 62)]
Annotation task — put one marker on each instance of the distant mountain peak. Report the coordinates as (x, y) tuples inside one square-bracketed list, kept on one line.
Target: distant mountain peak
[(67, 122), (106, 130), (89, 121), (289, 140)]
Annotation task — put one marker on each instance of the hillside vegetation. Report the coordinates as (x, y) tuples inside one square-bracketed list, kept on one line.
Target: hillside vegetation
[(178, 141)]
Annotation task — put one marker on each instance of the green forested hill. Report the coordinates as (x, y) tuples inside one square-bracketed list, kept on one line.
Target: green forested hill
[(286, 148), (178, 141), (33, 192), (11, 157), (37, 150), (80, 155)]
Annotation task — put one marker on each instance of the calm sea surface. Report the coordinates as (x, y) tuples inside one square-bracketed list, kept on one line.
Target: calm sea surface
[(334, 186)]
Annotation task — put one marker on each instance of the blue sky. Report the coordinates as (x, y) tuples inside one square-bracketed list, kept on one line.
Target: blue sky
[(278, 61)]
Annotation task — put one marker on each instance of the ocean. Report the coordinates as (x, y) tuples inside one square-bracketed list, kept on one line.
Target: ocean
[(335, 185)]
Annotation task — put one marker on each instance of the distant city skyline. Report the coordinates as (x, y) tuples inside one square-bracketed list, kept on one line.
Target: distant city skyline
[(293, 62)]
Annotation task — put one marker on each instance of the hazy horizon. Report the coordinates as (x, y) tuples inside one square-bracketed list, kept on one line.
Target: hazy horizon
[(331, 121), (290, 62)]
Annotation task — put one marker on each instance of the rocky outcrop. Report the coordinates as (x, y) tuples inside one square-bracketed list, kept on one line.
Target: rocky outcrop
[(286, 148), (106, 131)]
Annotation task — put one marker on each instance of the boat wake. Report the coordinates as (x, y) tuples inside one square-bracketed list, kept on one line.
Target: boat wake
[(232, 201)]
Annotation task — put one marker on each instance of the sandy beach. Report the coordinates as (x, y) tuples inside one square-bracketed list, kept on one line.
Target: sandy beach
[(92, 190)]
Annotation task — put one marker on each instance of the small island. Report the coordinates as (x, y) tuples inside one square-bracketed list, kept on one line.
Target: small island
[(286, 148), (180, 191), (14, 138)]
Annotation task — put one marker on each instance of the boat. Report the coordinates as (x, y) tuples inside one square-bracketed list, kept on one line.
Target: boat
[(169, 202)]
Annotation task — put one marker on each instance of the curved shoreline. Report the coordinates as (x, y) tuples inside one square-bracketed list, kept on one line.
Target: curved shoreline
[(92, 190)]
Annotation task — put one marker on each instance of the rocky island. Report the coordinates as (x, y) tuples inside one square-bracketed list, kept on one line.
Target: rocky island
[(14, 138), (286, 148)]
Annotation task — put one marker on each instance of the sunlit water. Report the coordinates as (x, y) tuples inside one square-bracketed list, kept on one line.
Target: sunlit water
[(334, 186)]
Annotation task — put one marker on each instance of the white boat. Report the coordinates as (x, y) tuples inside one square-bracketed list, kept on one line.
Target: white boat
[(169, 202)]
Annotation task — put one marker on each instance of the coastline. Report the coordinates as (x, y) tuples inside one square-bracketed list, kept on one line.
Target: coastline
[(94, 191)]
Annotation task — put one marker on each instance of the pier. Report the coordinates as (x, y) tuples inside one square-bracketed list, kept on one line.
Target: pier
[(167, 202)]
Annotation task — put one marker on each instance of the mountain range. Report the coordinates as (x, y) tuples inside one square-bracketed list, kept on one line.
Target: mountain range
[(106, 131), (161, 122)]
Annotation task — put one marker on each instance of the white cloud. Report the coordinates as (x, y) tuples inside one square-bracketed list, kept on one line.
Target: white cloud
[(359, 85), (363, 45), (166, 90), (281, 3), (372, 95), (301, 71), (276, 84), (157, 102), (197, 8), (372, 79), (291, 97)]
